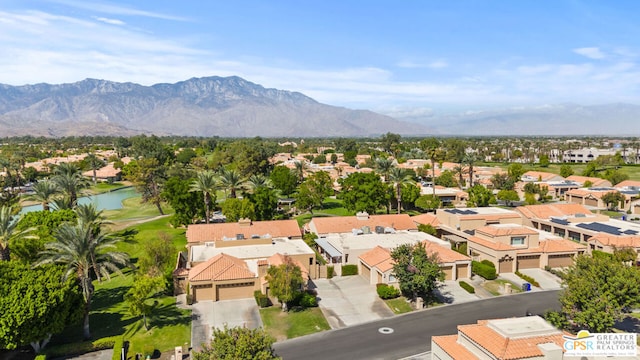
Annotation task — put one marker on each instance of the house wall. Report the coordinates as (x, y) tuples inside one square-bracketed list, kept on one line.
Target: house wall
[(438, 354), (232, 289)]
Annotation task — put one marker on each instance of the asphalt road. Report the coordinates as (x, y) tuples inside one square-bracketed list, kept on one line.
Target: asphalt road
[(411, 332)]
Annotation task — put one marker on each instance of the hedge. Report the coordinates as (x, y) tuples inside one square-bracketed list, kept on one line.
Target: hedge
[(261, 299), (483, 270), (348, 270), (81, 347), (387, 291), (470, 289), (528, 279), (308, 300), (488, 263), (330, 272)]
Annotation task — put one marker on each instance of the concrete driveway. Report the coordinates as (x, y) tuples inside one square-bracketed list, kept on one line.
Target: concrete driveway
[(349, 300), (452, 293), (209, 314), (546, 280)]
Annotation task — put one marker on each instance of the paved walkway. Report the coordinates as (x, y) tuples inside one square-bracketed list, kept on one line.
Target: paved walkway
[(546, 280), (349, 300), (95, 355)]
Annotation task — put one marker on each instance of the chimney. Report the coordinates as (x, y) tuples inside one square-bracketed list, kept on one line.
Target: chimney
[(244, 222), (362, 215)]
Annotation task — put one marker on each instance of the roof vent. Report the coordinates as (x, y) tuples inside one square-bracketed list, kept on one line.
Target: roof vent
[(244, 222), (379, 229), (239, 236), (362, 215), (366, 230)]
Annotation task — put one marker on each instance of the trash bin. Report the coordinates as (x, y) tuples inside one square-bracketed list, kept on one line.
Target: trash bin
[(526, 287)]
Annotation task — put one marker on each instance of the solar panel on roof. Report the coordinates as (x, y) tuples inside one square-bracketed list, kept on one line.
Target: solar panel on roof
[(594, 226), (560, 221), (630, 232)]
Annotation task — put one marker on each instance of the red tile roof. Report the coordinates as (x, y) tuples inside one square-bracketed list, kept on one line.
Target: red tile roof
[(490, 244), (425, 219), (450, 345), (616, 240), (548, 210), (221, 267), (444, 255), (199, 233), (555, 246), (378, 257), (279, 259), (344, 224)]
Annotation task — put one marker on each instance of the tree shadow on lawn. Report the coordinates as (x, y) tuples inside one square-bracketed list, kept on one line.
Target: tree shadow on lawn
[(167, 315), (105, 298), (102, 324)]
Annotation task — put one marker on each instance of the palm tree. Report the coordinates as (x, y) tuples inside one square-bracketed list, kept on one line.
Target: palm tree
[(384, 166), (89, 216), (45, 191), (95, 163), (432, 149), (230, 180), (9, 233), (470, 159), (257, 181), (206, 183), (300, 168), (399, 177), (70, 181), (77, 248), (459, 170)]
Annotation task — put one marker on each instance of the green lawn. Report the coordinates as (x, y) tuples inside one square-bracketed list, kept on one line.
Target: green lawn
[(134, 209), (496, 287), (103, 187), (399, 305), (287, 325), (632, 170)]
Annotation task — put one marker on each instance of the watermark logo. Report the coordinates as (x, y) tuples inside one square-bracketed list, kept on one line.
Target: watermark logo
[(600, 344)]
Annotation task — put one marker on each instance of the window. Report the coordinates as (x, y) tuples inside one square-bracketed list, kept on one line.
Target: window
[(517, 240), (392, 278)]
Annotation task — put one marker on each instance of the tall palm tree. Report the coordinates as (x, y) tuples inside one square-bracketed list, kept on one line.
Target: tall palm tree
[(70, 181), (206, 183), (470, 159), (77, 248), (94, 163), (8, 232), (300, 168), (230, 180), (459, 170), (432, 149), (384, 166), (89, 216), (399, 177), (45, 191)]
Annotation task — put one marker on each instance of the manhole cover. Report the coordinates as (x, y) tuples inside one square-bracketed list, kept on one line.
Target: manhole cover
[(385, 330)]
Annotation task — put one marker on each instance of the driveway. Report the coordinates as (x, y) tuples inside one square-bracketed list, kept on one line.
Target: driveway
[(546, 280), (209, 314), (452, 293), (349, 300)]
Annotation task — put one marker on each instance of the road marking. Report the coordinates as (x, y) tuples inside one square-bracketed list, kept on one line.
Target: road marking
[(385, 330)]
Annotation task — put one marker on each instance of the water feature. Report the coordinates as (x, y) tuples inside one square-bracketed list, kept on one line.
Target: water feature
[(106, 201)]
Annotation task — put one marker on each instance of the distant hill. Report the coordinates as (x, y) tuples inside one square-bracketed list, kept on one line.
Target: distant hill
[(559, 119), (211, 106)]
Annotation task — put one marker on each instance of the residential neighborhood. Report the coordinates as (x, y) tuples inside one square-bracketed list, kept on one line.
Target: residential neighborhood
[(304, 248)]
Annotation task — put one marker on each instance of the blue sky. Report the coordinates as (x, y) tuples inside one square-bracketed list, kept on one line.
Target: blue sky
[(396, 57)]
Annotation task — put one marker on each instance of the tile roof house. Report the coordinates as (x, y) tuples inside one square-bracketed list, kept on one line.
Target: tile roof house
[(243, 229), (514, 247), (597, 182), (323, 226), (223, 277), (106, 173), (504, 339), (535, 176), (592, 197), (376, 265)]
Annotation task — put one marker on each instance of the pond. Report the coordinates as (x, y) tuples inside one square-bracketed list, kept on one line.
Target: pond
[(106, 201)]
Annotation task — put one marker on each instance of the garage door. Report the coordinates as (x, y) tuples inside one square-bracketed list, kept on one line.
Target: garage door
[(366, 273), (448, 272), (529, 262), (235, 291), (462, 271), (203, 292), (379, 277), (505, 266), (556, 261), (591, 202)]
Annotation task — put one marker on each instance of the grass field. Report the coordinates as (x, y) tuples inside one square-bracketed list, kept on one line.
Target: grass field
[(399, 305), (632, 170), (287, 325), (134, 209)]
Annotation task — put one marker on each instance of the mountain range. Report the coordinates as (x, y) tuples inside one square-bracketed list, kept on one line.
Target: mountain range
[(210, 106)]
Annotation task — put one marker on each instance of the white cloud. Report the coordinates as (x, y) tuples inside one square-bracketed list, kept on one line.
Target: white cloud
[(104, 7), (590, 52), (110, 21), (408, 64)]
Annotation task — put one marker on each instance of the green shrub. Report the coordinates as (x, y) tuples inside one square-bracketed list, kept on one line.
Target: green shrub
[(308, 300), (330, 272), (261, 299), (117, 348), (41, 357), (462, 249), (528, 279), (470, 289), (601, 254), (488, 263), (348, 270), (487, 272), (387, 291), (80, 347)]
